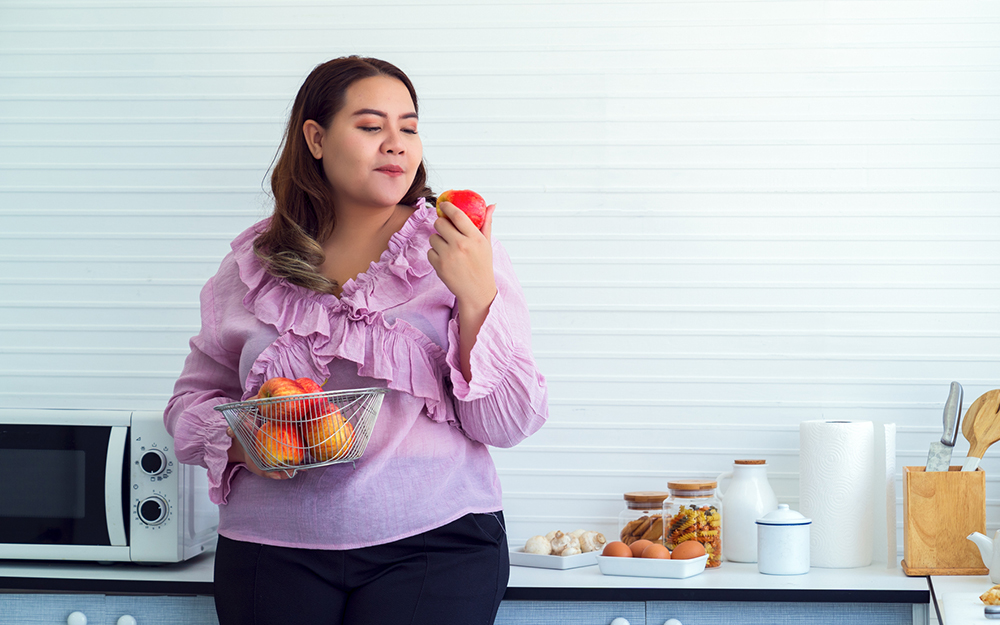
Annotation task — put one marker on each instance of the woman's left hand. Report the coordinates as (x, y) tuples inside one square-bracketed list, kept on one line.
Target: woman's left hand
[(462, 256)]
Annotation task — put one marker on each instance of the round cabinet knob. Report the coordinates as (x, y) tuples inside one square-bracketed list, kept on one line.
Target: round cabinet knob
[(126, 620), (620, 621), (76, 618), (153, 462), (153, 510), (672, 621)]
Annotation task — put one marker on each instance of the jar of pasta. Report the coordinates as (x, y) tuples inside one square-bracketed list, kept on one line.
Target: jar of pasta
[(642, 517), (692, 512)]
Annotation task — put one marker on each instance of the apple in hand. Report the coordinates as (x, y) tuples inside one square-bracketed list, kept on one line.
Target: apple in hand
[(469, 202), (279, 444), (329, 436)]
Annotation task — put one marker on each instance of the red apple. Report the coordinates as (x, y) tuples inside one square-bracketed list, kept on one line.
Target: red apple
[(316, 406), (469, 202), (330, 436), (276, 388), (279, 444)]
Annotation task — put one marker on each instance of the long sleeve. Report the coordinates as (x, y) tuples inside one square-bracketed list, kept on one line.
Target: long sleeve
[(507, 399), (209, 378)]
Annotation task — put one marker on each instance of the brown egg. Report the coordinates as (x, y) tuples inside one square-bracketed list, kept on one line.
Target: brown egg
[(688, 549), (617, 549), (656, 551), (638, 546)]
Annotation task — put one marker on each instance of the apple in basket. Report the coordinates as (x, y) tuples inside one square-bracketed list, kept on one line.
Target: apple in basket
[(279, 444), (290, 410), (316, 405), (330, 436), (469, 202)]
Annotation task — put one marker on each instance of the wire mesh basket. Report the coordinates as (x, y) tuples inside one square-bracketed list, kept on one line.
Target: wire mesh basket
[(306, 430)]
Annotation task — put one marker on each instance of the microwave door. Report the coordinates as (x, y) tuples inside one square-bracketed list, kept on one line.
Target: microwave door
[(113, 507), (58, 501)]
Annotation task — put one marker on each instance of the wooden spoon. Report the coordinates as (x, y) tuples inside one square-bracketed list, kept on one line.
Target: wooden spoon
[(981, 427)]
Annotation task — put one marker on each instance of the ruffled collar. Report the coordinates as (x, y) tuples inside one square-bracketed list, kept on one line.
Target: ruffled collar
[(385, 283), (316, 328)]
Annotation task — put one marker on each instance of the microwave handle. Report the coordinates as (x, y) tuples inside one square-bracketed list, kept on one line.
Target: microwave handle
[(113, 486)]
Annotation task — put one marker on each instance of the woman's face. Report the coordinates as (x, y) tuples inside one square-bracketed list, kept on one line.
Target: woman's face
[(371, 150)]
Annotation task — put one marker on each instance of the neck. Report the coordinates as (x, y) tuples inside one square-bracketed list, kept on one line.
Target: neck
[(359, 223)]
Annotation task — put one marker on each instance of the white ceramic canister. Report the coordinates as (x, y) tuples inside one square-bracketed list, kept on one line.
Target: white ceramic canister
[(748, 498), (783, 542)]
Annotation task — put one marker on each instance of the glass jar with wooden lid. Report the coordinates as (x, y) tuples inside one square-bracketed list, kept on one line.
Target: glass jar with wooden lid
[(692, 512), (642, 517)]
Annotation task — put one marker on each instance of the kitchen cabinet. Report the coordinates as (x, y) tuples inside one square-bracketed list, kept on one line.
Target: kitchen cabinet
[(705, 612), (50, 609), (570, 612), (55, 609), (161, 610), (180, 594), (768, 613)]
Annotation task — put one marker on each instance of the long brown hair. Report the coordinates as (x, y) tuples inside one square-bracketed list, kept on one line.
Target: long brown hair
[(303, 216)]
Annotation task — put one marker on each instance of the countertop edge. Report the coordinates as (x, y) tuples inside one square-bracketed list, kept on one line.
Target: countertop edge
[(716, 594), (513, 593)]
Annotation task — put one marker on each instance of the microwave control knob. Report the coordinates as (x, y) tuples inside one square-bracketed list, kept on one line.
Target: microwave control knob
[(153, 462), (153, 510)]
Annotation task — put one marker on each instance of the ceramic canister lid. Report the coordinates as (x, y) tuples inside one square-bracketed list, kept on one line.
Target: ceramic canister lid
[(783, 516)]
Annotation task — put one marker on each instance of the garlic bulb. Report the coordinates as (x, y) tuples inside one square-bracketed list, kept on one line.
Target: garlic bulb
[(559, 541), (592, 541), (539, 545), (562, 542)]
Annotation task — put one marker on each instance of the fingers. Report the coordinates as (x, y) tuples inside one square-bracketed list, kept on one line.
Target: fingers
[(271, 475), (487, 228), (459, 220)]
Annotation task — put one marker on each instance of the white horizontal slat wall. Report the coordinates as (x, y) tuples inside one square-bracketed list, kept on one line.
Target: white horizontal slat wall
[(728, 216)]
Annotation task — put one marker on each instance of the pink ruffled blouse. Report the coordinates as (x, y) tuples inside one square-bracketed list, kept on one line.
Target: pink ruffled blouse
[(394, 326)]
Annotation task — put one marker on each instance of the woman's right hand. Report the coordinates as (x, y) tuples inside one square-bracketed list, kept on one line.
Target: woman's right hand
[(238, 454)]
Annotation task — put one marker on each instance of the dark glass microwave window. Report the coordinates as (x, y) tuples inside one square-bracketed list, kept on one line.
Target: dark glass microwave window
[(43, 483), (51, 514)]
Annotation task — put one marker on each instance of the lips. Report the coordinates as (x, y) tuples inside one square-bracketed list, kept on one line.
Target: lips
[(392, 170)]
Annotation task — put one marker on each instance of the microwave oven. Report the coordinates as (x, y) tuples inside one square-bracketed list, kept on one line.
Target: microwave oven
[(100, 486)]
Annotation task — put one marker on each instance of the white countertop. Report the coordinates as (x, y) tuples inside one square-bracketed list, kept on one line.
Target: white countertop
[(195, 574), (731, 581), (730, 575), (957, 598)]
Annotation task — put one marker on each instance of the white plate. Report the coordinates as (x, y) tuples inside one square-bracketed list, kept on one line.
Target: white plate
[(519, 558), (650, 567)]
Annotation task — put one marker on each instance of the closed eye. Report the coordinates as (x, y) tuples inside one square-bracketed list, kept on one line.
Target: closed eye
[(370, 128)]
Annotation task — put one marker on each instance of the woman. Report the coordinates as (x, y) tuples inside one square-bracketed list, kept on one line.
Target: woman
[(355, 280)]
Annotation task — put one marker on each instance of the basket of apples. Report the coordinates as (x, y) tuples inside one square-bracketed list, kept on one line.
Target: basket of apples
[(295, 424)]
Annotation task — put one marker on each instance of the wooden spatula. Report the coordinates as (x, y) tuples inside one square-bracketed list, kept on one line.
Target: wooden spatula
[(981, 427)]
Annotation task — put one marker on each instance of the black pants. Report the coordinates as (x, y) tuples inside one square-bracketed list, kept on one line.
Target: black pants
[(453, 574)]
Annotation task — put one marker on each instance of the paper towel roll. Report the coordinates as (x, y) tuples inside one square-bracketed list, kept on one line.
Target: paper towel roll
[(836, 469)]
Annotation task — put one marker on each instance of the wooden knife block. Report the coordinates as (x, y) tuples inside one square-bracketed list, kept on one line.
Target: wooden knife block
[(940, 509)]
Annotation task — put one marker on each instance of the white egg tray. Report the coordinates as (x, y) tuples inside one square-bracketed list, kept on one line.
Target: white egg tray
[(519, 558), (651, 567)]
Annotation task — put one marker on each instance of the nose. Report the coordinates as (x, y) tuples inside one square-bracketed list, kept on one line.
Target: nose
[(393, 143)]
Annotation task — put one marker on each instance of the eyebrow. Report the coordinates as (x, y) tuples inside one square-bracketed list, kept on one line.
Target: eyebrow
[(382, 114)]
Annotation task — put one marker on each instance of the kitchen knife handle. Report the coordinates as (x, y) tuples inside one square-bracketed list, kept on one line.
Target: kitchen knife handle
[(952, 413)]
